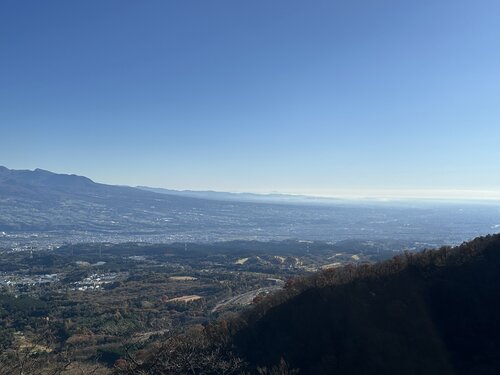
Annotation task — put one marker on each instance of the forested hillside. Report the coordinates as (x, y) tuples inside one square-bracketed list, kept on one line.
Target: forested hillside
[(434, 312), (430, 313)]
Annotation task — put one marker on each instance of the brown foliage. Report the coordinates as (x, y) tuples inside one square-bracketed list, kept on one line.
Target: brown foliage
[(427, 259), (38, 357), (198, 351)]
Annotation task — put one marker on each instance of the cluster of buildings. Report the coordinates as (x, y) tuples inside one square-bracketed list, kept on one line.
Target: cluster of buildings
[(7, 280), (94, 281)]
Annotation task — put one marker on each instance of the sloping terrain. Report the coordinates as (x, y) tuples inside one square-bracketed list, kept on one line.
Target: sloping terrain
[(81, 210), (430, 313), (45, 209), (42, 201)]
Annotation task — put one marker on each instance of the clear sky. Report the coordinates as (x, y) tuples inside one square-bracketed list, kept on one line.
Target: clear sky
[(318, 97)]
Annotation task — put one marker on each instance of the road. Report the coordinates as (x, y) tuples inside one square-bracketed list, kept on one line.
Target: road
[(246, 298)]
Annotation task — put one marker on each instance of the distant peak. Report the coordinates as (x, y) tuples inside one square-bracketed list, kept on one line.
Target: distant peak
[(39, 170), (42, 176)]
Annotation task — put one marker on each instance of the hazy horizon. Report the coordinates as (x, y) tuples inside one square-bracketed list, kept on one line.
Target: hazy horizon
[(353, 194), (337, 99)]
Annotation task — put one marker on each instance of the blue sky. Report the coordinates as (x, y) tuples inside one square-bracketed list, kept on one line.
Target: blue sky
[(325, 97)]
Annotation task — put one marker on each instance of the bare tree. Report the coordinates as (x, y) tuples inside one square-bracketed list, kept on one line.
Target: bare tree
[(37, 356), (190, 353)]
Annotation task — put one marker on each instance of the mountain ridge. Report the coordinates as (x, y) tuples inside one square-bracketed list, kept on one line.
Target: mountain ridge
[(433, 312), (40, 208), (247, 197)]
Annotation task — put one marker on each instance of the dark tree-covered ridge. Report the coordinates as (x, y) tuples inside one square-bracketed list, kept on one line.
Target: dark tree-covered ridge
[(434, 312)]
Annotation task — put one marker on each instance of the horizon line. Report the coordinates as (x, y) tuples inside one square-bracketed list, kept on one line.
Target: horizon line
[(379, 195), (363, 194)]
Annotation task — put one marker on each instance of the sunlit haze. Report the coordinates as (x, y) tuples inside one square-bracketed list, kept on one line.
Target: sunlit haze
[(376, 99)]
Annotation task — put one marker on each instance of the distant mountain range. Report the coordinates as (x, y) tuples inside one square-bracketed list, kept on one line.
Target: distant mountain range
[(40, 200), (40, 208), (246, 197), (80, 209)]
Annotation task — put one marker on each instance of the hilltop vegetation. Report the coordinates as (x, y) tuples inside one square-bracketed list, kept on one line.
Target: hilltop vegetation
[(433, 312), (95, 300), (429, 313)]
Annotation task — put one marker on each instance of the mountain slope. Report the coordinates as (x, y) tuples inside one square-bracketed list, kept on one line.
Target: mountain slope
[(76, 209), (44, 201), (432, 313), (40, 208)]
